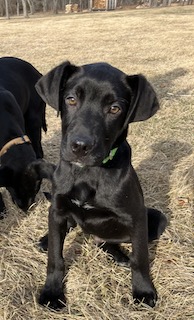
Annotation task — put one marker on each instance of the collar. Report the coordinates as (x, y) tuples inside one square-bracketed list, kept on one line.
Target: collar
[(19, 140), (110, 156)]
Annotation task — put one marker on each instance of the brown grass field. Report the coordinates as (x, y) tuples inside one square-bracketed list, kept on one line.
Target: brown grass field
[(158, 43)]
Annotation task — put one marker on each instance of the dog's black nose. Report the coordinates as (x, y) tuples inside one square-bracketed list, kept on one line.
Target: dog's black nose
[(81, 147)]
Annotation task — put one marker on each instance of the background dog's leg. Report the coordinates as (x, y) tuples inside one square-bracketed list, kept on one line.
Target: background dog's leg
[(157, 223), (34, 133), (71, 224), (143, 289), (43, 241), (52, 294), (115, 251), (2, 207)]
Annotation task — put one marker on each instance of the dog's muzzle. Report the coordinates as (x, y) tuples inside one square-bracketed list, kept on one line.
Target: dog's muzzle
[(81, 147)]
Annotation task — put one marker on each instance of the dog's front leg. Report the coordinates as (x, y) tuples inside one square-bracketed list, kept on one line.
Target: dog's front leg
[(52, 294), (142, 286)]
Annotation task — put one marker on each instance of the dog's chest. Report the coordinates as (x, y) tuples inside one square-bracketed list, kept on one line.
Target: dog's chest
[(89, 196), (94, 203), (82, 197), (84, 205), (100, 221)]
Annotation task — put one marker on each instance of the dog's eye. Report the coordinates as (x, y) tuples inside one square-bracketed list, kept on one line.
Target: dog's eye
[(71, 101), (114, 109)]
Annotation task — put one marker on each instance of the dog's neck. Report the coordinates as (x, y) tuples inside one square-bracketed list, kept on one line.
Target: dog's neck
[(12, 142)]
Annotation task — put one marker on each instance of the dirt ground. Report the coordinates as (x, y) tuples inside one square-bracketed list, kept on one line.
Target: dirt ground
[(159, 44)]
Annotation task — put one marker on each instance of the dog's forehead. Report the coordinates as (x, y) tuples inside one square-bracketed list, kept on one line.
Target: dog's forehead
[(102, 69), (100, 77)]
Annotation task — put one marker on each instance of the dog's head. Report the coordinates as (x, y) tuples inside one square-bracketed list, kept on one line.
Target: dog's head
[(23, 185), (96, 102)]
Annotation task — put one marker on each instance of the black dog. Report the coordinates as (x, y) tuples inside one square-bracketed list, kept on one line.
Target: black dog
[(95, 184), (22, 115)]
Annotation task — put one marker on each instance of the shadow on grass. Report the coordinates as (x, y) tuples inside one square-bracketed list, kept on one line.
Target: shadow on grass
[(163, 83), (155, 172)]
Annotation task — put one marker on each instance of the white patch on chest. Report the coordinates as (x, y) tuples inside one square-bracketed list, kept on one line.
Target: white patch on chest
[(86, 205), (78, 164)]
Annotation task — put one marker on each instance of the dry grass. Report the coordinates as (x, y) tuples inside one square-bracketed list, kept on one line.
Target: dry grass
[(159, 44)]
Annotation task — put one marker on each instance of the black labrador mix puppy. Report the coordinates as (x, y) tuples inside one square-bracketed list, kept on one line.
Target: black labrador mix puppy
[(95, 184), (22, 116)]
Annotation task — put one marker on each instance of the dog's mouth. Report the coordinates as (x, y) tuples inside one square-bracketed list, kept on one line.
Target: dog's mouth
[(81, 163), (24, 205), (87, 161), (92, 161)]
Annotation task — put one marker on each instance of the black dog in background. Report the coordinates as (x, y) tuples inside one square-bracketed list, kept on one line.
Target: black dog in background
[(95, 184), (22, 116)]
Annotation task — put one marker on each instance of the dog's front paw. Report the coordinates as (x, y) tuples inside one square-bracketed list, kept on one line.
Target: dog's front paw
[(148, 297), (52, 300)]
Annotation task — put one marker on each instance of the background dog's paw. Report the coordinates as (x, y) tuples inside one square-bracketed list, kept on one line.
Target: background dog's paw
[(43, 243), (123, 260), (147, 297), (157, 223), (53, 301)]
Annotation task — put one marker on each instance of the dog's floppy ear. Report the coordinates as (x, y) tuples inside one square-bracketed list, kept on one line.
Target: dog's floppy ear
[(144, 102), (6, 175), (49, 85)]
